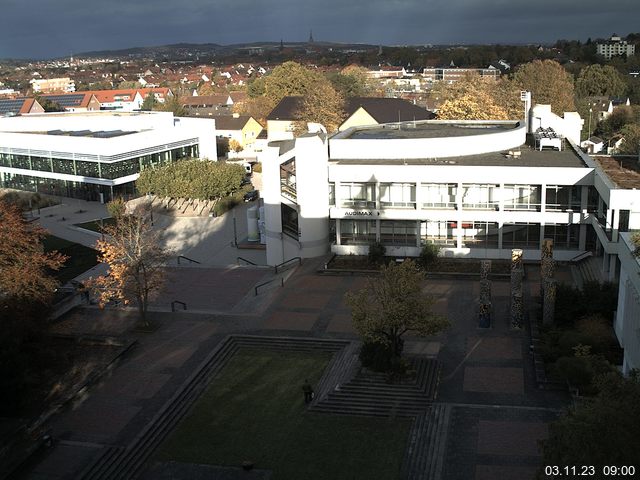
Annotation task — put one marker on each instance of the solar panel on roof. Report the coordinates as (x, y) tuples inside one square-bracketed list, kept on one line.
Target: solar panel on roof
[(72, 100), (55, 132), (81, 133), (10, 106)]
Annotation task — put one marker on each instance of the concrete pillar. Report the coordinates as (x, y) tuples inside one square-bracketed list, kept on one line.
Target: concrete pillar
[(549, 301), (517, 272)]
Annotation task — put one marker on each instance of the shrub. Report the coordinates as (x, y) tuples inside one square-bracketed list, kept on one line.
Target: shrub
[(575, 370), (594, 298), (428, 256), (377, 252), (257, 167), (224, 205)]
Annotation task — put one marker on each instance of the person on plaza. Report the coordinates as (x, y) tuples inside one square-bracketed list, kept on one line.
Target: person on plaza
[(308, 392)]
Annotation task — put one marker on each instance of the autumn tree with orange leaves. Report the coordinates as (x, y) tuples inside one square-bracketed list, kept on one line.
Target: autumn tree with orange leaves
[(24, 267), (136, 262)]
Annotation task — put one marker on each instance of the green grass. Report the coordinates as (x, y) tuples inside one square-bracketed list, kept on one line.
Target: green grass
[(80, 259), (95, 225), (254, 410)]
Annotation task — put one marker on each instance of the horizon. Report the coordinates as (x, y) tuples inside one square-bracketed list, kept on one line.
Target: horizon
[(78, 26)]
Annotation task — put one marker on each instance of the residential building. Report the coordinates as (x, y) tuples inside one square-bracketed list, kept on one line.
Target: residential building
[(208, 105), (53, 85), (454, 74), (74, 102), (360, 111), (615, 46), (96, 155), (242, 128), (19, 106)]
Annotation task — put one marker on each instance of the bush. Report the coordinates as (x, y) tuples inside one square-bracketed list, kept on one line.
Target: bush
[(428, 256), (594, 298), (376, 356), (224, 205), (575, 370), (257, 167), (377, 252)]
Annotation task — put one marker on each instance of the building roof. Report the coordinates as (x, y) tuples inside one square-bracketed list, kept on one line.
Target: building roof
[(70, 100), (229, 122), (383, 110), (594, 139), (15, 106), (111, 96), (388, 110), (206, 100)]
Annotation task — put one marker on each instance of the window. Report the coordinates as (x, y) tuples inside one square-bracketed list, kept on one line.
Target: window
[(480, 197), (63, 166), (289, 218), (521, 235), (563, 197), (358, 195), (439, 195), (288, 179), (522, 197), (87, 169), (398, 232), (357, 232), (398, 195), (440, 232), (41, 163), (565, 237), (480, 234), (332, 194)]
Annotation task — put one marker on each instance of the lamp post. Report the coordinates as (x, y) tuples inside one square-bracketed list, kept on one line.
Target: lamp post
[(589, 132)]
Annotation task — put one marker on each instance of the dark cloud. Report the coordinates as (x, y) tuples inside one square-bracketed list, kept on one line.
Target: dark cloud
[(45, 28)]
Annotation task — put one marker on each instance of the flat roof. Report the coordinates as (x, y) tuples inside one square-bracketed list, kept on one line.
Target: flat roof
[(429, 129), (84, 133), (528, 158), (623, 171)]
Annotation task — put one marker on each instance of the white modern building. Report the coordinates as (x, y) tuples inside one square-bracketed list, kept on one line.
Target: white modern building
[(96, 155), (615, 46), (476, 189)]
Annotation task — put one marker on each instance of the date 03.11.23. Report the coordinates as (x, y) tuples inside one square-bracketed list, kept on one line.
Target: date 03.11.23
[(608, 471)]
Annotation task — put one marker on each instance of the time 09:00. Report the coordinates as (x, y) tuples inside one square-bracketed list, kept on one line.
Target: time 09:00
[(589, 470)]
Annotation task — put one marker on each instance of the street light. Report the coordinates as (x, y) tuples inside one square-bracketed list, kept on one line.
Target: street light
[(589, 132)]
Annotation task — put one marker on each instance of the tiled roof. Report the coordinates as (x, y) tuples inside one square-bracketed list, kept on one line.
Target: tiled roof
[(229, 122), (206, 100), (14, 106), (70, 100)]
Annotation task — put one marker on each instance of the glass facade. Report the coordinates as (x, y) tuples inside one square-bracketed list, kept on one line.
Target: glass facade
[(83, 168), (565, 237), (398, 195), (440, 232), (563, 197), (522, 197), (357, 232), (399, 232), (358, 195), (521, 235), (480, 234), (480, 196), (439, 195)]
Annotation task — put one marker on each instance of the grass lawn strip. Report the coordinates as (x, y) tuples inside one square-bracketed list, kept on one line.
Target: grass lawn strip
[(80, 259), (96, 225), (254, 410)]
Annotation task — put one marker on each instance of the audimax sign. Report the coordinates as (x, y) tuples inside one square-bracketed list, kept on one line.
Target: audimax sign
[(362, 213)]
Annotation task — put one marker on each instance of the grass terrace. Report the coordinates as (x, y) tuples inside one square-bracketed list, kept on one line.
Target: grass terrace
[(80, 259), (96, 225), (254, 411)]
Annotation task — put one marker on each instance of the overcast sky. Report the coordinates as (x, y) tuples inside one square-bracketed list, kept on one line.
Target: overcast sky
[(50, 28)]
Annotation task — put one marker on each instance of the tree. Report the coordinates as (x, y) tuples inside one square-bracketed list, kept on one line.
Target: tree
[(149, 103), (324, 105), (478, 98), (549, 83), (599, 431), (352, 81), (631, 143), (49, 105), (289, 79), (600, 80), (392, 305), (136, 263), (235, 145), (24, 267), (173, 105)]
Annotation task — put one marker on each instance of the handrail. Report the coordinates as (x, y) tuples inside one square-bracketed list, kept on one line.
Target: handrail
[(288, 261), (245, 260), (173, 305), (187, 258), (255, 289), (581, 256)]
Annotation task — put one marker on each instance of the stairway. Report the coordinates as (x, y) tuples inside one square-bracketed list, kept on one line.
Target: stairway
[(369, 393), (587, 270)]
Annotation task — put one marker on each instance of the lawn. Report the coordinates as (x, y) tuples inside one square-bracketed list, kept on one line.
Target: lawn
[(96, 225), (254, 410), (80, 259)]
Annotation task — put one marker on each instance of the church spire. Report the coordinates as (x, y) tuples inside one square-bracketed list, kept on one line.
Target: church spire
[(310, 36)]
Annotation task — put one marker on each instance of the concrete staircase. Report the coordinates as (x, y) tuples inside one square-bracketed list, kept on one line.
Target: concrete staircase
[(370, 393), (586, 270), (424, 455)]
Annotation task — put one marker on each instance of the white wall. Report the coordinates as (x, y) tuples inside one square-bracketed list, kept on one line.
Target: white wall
[(627, 322), (569, 126)]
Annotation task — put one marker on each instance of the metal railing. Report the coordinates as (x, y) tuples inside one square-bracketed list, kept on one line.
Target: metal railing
[(581, 256), (287, 262), (238, 259), (255, 289), (191, 260), (178, 302)]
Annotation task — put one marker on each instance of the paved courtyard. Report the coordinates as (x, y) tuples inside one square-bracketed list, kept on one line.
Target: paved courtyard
[(497, 411)]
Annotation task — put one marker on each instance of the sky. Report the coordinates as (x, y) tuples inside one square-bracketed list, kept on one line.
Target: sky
[(56, 28)]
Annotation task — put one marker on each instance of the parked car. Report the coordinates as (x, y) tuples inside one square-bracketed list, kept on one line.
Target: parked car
[(251, 196)]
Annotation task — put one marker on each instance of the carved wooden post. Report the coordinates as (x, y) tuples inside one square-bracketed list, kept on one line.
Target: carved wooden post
[(547, 264), (549, 301)]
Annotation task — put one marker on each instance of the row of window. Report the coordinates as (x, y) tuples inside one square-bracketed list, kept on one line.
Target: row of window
[(474, 234), (472, 196), (110, 171)]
